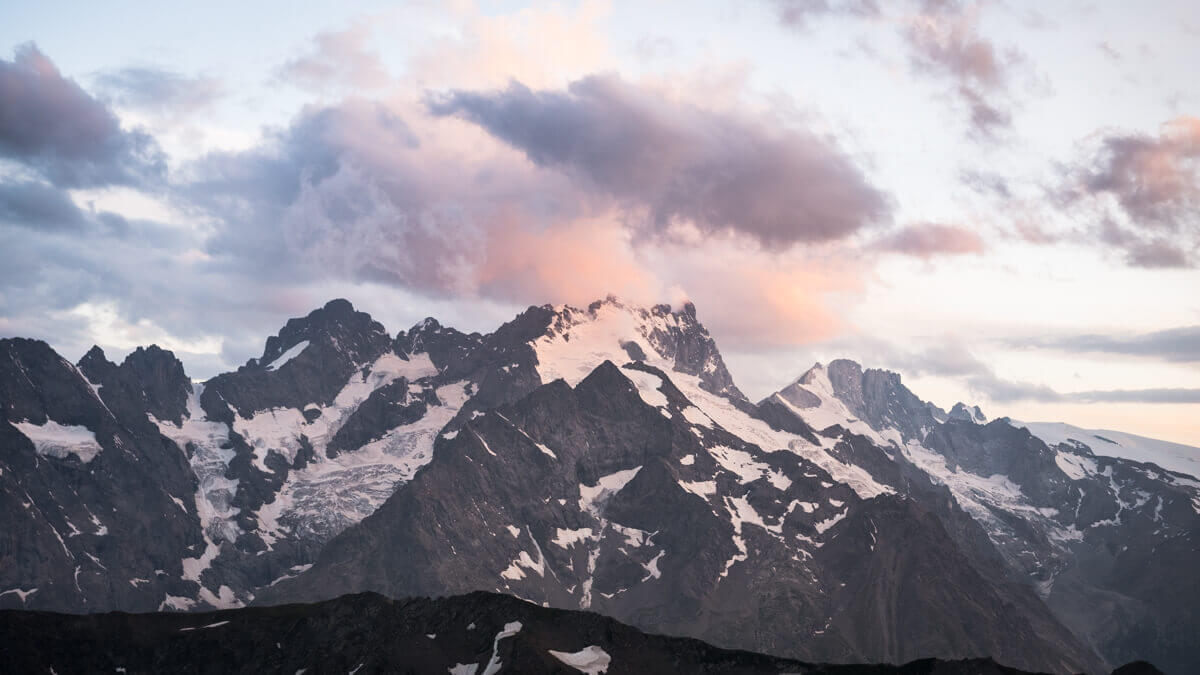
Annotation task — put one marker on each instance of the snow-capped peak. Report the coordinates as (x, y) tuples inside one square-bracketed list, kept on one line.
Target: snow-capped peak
[(1106, 442), (577, 340)]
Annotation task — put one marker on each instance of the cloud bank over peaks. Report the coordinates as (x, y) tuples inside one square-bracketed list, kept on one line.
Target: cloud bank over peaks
[(670, 162), (953, 360)]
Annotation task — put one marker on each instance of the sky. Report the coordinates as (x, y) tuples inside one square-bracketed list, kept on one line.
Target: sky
[(999, 200)]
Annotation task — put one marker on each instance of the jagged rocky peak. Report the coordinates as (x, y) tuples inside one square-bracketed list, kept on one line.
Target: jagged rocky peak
[(961, 411), (424, 330), (150, 379), (844, 393), (842, 379), (444, 345), (337, 326), (161, 374), (799, 393), (95, 365), (309, 361), (573, 341), (36, 383)]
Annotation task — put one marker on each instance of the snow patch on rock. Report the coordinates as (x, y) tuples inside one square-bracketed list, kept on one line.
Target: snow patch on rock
[(60, 440), (290, 354), (591, 660)]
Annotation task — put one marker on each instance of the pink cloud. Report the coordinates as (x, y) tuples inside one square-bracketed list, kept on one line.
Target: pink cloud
[(338, 60), (925, 240)]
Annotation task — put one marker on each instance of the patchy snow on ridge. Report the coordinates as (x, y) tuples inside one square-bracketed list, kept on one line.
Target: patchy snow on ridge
[(290, 354), (591, 660), (60, 440), (747, 468), (649, 387), (328, 495), (586, 341), (824, 525), (703, 488), (977, 494), (566, 538), (493, 665), (1077, 467), (1171, 456), (20, 593), (592, 497), (573, 350), (832, 410), (210, 462), (279, 429)]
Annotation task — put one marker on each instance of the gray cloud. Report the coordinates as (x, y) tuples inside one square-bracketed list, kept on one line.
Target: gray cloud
[(799, 12), (1158, 254), (986, 182), (160, 92), (343, 192), (1153, 179), (926, 240), (1001, 390), (1108, 50), (1005, 391), (1177, 345), (342, 201), (34, 204), (944, 42), (953, 360), (51, 125), (38, 206), (1147, 189), (1138, 396), (681, 163)]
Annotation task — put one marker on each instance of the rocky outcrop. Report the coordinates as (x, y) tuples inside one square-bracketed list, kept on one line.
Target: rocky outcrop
[(98, 508)]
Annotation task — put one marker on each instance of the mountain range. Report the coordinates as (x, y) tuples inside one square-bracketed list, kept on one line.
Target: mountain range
[(602, 459)]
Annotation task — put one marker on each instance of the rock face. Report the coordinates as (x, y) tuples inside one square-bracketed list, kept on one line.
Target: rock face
[(596, 458), (97, 506), (961, 411), (1096, 536), (475, 633), (874, 397)]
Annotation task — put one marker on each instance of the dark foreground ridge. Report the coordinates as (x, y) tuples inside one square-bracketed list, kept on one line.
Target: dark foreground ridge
[(369, 633)]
